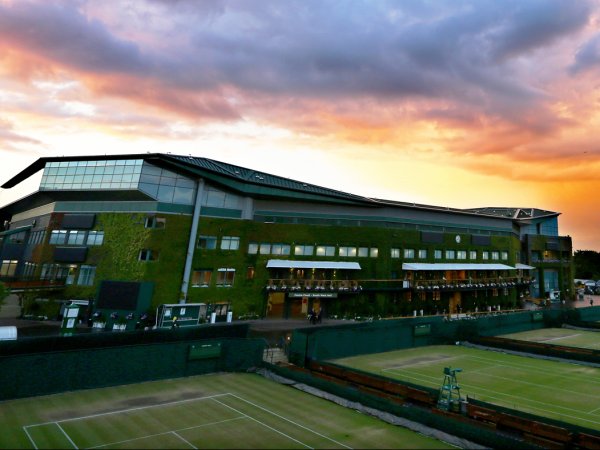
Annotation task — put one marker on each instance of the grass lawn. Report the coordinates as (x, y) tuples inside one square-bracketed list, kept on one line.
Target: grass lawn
[(560, 336), (563, 391), (210, 411)]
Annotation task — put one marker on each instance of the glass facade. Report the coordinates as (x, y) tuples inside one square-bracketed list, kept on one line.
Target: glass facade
[(160, 184)]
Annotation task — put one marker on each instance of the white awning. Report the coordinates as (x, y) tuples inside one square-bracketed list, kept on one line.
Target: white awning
[(291, 264), (523, 266), (454, 266)]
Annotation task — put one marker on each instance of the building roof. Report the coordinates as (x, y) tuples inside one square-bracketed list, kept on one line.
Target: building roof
[(261, 184), (515, 213)]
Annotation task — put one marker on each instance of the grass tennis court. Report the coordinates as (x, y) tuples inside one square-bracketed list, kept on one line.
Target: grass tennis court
[(560, 336), (563, 391), (210, 411)]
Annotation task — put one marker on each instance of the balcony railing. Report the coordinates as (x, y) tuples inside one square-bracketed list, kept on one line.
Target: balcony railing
[(471, 283), (294, 285), (17, 284)]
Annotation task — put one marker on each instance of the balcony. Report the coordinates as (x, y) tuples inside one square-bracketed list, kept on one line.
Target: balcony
[(471, 284), (301, 285), (23, 284)]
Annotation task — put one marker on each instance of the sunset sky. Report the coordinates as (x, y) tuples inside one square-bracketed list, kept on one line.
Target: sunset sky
[(450, 103)]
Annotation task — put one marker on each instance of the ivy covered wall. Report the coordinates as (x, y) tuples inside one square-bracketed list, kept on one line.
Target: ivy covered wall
[(249, 296)]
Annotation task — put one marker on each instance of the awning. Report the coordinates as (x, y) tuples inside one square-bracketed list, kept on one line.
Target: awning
[(523, 266), (452, 266), (291, 264)]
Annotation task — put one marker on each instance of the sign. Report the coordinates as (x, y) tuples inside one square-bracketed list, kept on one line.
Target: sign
[(313, 294)]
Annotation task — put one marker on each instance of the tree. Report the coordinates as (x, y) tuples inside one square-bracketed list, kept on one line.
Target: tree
[(587, 264)]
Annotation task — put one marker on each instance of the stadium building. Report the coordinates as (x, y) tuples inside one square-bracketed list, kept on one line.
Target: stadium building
[(128, 233)]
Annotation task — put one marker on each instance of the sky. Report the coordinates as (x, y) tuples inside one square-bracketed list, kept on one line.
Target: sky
[(459, 103)]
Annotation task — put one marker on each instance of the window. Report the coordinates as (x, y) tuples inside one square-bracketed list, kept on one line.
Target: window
[(409, 253), (348, 252), (8, 267), (495, 256), (265, 248), (76, 238), (250, 273), (280, 249), (230, 243), (29, 269), (461, 254), (58, 237), (325, 250), (86, 275), (450, 254), (252, 248), (363, 252), (437, 254), (201, 278), (504, 256), (148, 255), (422, 254), (37, 237), (304, 250), (472, 254), (155, 222), (225, 277), (207, 242), (95, 238), (373, 252), (395, 253), (485, 255)]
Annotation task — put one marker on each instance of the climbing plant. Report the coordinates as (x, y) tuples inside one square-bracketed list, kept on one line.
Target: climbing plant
[(124, 237)]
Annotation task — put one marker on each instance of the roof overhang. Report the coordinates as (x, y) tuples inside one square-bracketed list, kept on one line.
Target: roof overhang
[(454, 266), (523, 266), (291, 264)]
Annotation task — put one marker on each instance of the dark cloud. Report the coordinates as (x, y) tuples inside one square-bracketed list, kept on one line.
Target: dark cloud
[(587, 57), (60, 32), (462, 51)]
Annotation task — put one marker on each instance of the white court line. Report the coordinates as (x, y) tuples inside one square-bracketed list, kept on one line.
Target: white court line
[(421, 363), (501, 394), (184, 440), (513, 365), (168, 432), (30, 438), (139, 408), (559, 338), (291, 421), (263, 424), (65, 433)]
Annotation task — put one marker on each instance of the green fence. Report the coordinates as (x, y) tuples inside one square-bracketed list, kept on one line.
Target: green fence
[(115, 339), (324, 343), (31, 374)]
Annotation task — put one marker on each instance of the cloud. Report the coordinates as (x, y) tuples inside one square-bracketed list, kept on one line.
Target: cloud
[(587, 57)]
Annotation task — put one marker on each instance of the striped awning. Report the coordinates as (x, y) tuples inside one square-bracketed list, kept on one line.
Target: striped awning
[(292, 264), (454, 266)]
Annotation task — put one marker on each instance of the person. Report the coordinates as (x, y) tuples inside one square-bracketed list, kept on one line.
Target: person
[(319, 314), (591, 301), (175, 323), (311, 316)]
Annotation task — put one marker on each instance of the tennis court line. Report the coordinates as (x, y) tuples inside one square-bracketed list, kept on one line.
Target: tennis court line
[(420, 363), (290, 421), (92, 416), (521, 398), (65, 433), (559, 373), (169, 432), (261, 423), (559, 338), (184, 440)]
